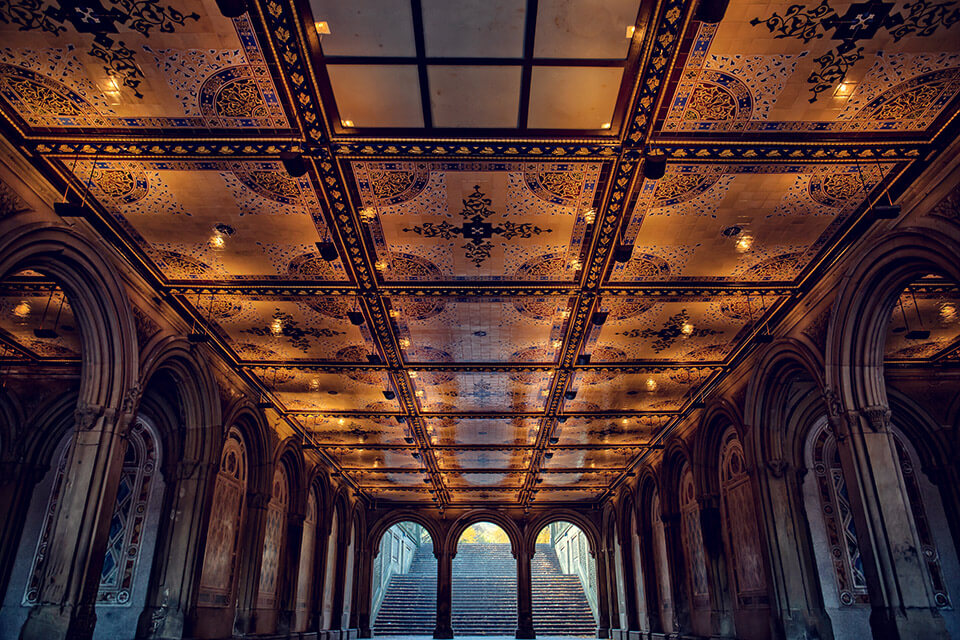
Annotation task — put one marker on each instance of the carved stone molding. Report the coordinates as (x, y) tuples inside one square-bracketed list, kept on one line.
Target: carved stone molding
[(878, 417)]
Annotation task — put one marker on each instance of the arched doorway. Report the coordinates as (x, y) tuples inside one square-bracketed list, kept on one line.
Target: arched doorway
[(404, 596), (484, 582), (128, 557), (564, 577)]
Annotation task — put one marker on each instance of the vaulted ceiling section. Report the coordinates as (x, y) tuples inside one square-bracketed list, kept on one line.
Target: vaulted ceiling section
[(475, 164)]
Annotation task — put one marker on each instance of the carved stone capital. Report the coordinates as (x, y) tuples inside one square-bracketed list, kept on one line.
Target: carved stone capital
[(86, 415), (777, 467), (878, 417)]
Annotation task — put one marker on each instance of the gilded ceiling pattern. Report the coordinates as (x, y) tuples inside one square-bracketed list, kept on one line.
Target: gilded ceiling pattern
[(473, 341)]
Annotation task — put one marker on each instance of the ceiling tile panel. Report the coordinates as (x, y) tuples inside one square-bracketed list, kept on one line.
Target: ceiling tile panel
[(652, 391), (377, 95), (474, 96), (474, 28), (365, 27), (573, 97), (301, 389), (451, 432), (433, 221), (585, 28), (486, 391)]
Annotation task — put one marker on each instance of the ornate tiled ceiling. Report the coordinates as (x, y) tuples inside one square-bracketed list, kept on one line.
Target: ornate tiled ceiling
[(473, 165)]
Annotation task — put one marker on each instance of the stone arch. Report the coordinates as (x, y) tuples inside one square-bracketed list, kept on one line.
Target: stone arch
[(252, 425), (719, 416), (380, 527), (51, 423), (864, 302), (785, 360), (483, 515), (290, 455), (196, 387), (586, 525), (108, 337), (676, 455)]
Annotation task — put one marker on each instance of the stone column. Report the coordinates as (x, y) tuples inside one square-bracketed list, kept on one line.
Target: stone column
[(444, 628), (524, 595), (651, 588), (711, 527), (901, 596), (177, 558), (629, 586), (364, 592), (70, 576), (319, 574), (676, 564), (798, 611), (17, 482), (289, 571), (603, 595), (613, 597), (251, 556)]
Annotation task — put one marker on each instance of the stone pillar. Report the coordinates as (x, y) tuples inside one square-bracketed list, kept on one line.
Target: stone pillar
[(71, 571), (603, 595), (613, 597), (319, 574), (444, 628), (677, 565), (629, 585), (177, 558), (798, 611), (650, 587), (721, 607), (288, 573), (901, 596), (251, 555), (524, 595), (17, 482), (364, 592)]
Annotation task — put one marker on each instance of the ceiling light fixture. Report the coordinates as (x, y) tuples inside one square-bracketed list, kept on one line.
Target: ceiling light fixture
[(347, 123), (599, 317), (622, 253), (368, 214), (630, 31), (570, 394), (744, 243), (356, 317), (328, 251), (293, 163), (605, 125), (651, 384), (322, 27), (389, 394), (276, 327), (583, 358), (654, 164), (381, 265), (232, 8), (686, 329), (22, 309), (404, 343), (844, 89), (590, 215), (711, 11)]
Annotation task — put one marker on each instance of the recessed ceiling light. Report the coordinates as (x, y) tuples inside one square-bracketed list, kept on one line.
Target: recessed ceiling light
[(22, 309), (686, 329), (590, 215), (844, 90), (744, 244), (605, 125), (347, 123), (630, 31), (322, 27), (651, 384)]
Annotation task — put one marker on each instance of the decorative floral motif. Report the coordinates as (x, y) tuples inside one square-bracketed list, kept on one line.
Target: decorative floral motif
[(475, 228), (275, 185), (671, 331), (285, 326), (240, 99), (861, 22), (182, 265), (124, 185), (710, 102)]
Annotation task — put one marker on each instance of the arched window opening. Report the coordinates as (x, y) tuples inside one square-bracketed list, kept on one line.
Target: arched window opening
[(484, 583), (564, 580), (349, 576), (307, 559), (121, 559), (692, 537), (740, 526), (404, 598), (273, 539), (218, 576)]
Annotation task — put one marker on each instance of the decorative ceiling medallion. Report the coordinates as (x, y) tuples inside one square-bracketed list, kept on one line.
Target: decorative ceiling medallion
[(179, 265), (42, 101), (274, 185), (912, 104), (310, 266), (530, 355), (644, 266), (394, 186), (406, 266), (432, 355), (719, 98), (555, 187), (834, 189), (285, 327), (122, 183), (671, 331), (476, 229)]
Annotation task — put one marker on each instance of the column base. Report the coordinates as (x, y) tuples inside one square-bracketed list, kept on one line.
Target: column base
[(47, 621), (526, 633), (911, 624), (443, 632), (160, 623), (603, 632)]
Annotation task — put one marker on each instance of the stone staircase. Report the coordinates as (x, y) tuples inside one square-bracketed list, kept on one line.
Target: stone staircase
[(485, 595)]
